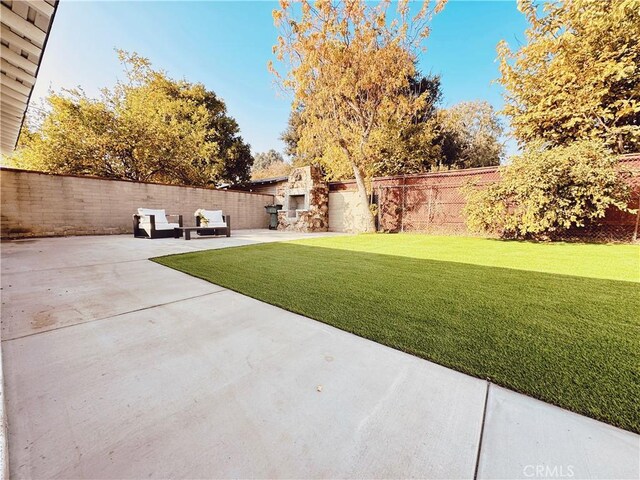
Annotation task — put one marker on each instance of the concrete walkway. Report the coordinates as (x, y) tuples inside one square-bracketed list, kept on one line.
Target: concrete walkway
[(116, 367)]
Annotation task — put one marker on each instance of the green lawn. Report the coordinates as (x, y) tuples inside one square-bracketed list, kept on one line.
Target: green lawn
[(559, 322)]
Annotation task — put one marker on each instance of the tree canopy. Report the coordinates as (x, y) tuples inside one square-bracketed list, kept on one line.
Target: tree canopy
[(465, 135), (577, 75), (469, 135), (268, 165), (275, 169), (147, 128), (263, 160), (407, 146)]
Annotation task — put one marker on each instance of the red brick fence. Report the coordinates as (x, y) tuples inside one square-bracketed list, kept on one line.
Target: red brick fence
[(434, 202)]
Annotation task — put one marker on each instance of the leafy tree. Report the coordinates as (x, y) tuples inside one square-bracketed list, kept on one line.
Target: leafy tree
[(577, 76), (463, 136), (268, 165), (149, 128), (407, 146), (349, 70), (262, 160), (469, 135), (274, 169), (548, 190), (429, 86), (290, 136)]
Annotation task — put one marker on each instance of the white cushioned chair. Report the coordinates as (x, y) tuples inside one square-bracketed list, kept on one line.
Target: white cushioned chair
[(215, 222), (153, 223)]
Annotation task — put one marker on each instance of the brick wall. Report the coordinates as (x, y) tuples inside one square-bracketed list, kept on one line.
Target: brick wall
[(37, 204)]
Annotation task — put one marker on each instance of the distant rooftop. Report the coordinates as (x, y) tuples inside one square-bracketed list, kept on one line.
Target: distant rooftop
[(267, 181)]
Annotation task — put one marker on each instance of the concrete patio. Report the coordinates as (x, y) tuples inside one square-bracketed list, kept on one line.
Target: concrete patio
[(117, 367)]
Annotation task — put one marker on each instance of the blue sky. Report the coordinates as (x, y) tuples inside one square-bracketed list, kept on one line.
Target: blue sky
[(226, 46)]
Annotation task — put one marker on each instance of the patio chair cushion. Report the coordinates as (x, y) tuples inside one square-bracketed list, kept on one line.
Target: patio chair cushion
[(146, 226), (215, 218), (160, 215), (160, 219)]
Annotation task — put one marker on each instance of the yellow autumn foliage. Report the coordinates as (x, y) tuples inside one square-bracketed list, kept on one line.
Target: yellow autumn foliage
[(577, 75), (348, 65)]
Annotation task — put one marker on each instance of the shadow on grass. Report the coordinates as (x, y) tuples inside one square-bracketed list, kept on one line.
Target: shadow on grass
[(613, 262), (570, 341)]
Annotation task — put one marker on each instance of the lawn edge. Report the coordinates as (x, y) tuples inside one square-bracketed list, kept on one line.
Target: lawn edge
[(456, 368)]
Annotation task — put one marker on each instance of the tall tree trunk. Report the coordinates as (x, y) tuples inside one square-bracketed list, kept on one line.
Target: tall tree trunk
[(620, 144), (368, 221)]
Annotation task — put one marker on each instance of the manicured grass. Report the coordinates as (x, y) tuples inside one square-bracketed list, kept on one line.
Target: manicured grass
[(615, 262), (559, 322)]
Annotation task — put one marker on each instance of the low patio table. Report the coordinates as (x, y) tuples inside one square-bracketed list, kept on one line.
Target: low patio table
[(178, 231)]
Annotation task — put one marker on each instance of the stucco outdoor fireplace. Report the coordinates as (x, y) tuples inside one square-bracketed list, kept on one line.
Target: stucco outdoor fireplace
[(305, 200)]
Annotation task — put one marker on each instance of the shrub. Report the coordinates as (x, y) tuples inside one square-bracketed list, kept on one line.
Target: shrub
[(545, 191)]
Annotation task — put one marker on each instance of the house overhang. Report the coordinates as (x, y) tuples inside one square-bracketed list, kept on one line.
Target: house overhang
[(25, 30)]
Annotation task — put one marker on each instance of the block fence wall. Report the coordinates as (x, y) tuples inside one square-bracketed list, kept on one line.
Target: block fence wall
[(35, 204)]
